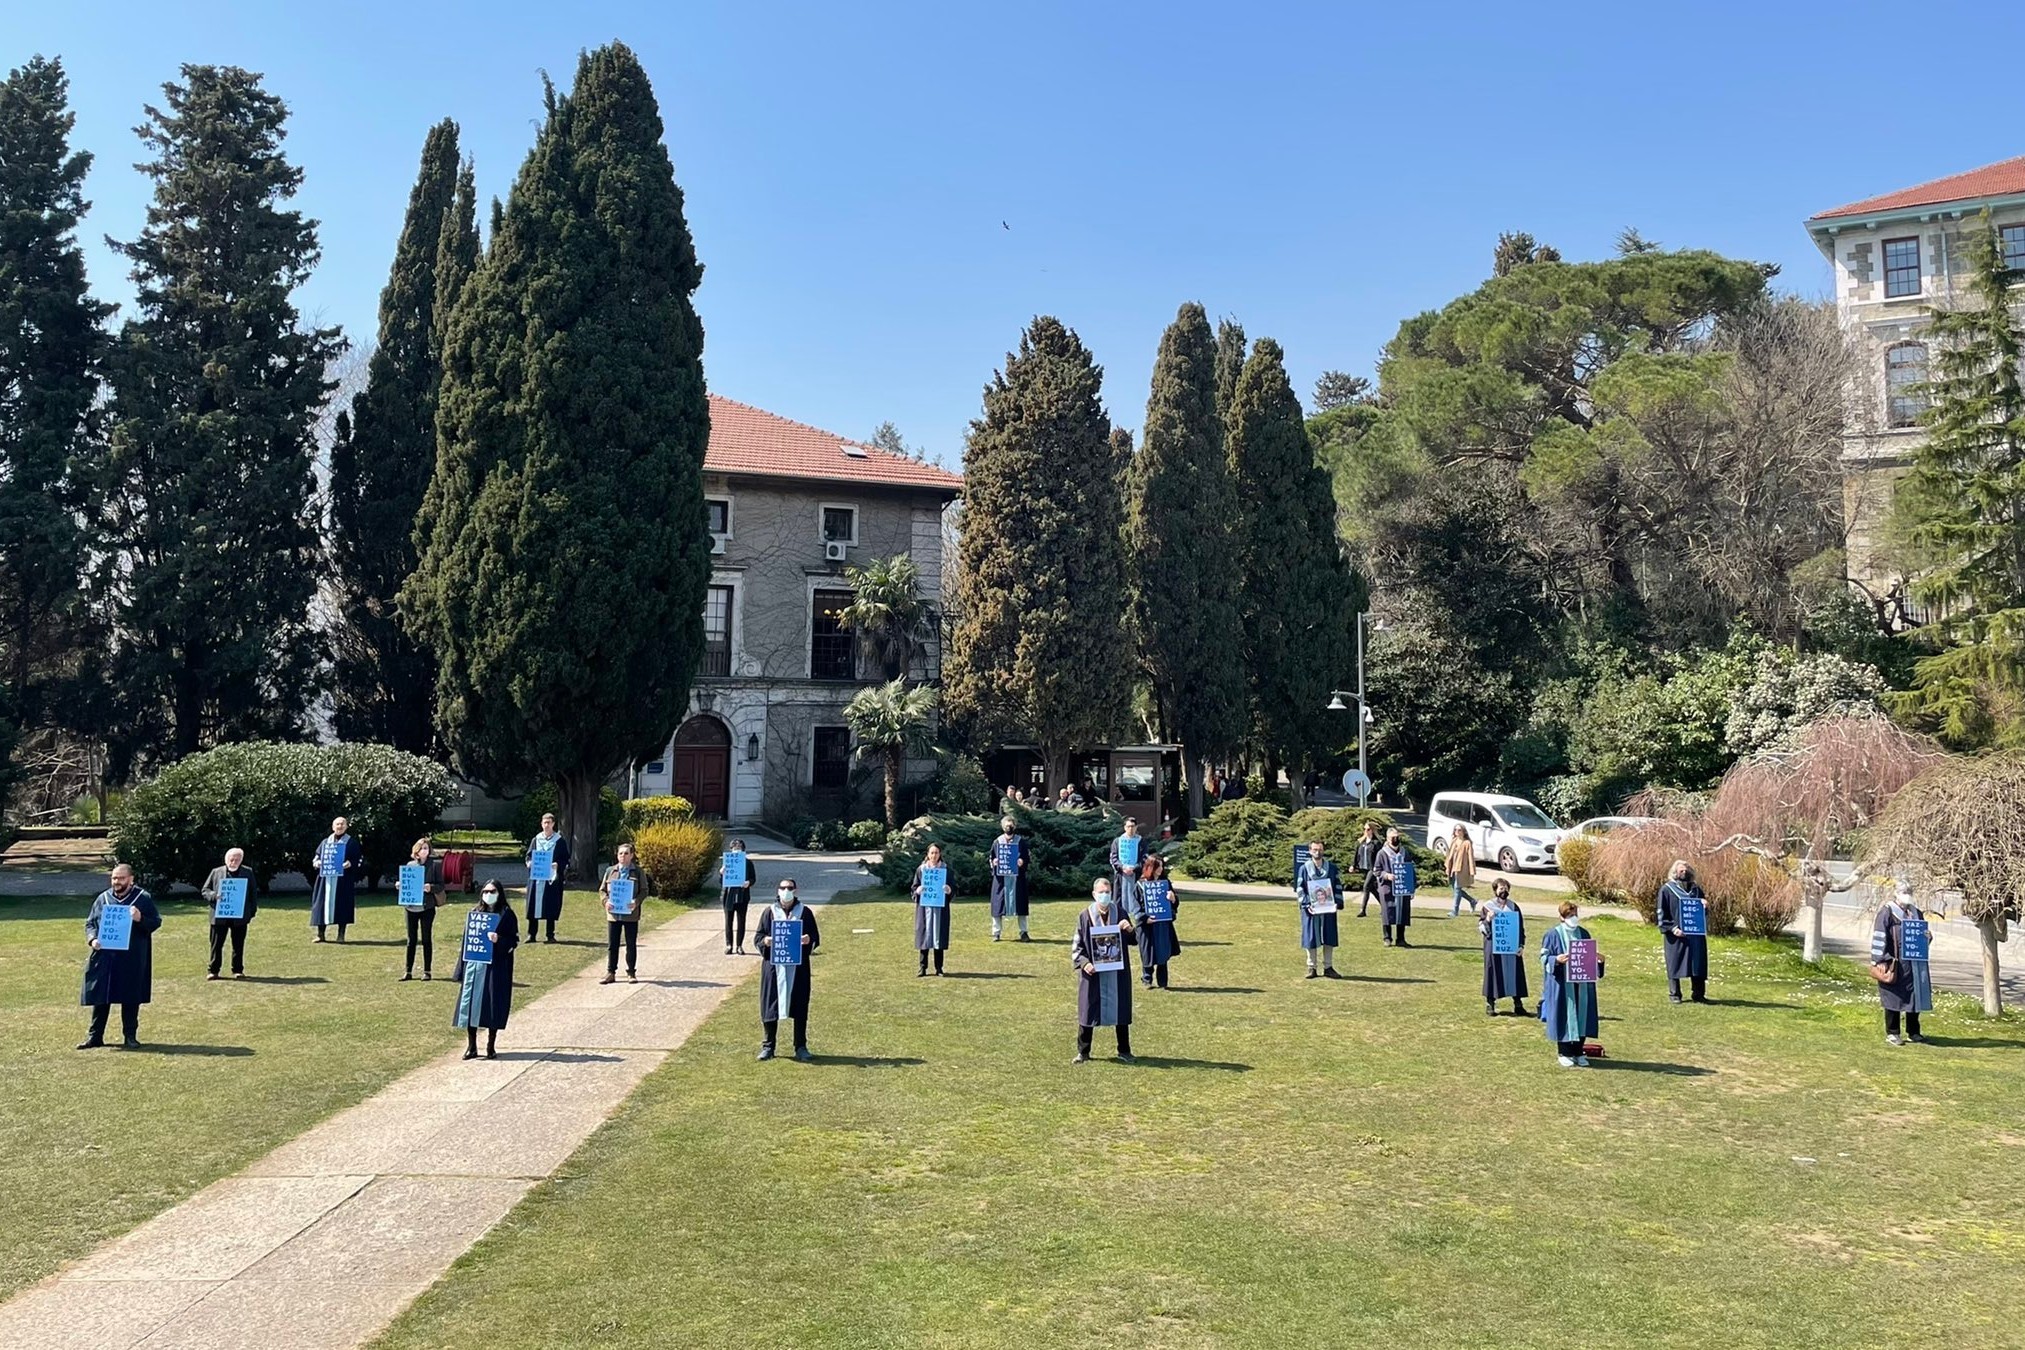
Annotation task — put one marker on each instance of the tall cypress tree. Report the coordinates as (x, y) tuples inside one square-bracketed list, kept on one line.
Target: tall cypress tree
[(1297, 598), (1179, 513), (1230, 364), (383, 684), (565, 550), (1040, 593), (52, 341), (206, 524)]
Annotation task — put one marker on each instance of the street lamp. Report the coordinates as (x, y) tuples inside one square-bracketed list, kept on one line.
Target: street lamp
[(1336, 704)]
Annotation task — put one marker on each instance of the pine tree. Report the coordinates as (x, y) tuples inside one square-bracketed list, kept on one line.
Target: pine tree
[(52, 341), (1178, 542), (205, 516), (383, 683), (565, 549), (1040, 595)]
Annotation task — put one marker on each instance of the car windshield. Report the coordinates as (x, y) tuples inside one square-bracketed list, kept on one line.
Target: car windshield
[(1524, 816)]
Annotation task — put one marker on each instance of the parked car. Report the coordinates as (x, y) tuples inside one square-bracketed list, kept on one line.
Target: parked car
[(1605, 824), (1508, 831)]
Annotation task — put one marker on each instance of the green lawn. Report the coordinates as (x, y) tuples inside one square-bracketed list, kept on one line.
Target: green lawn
[(1291, 1164), (92, 1144)]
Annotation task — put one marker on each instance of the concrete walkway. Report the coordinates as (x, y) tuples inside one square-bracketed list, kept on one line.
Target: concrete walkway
[(324, 1241)]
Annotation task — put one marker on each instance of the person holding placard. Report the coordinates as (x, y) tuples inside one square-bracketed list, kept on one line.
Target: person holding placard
[(484, 971), (420, 892), (739, 876), (1009, 900), (1151, 906), (1318, 887), (1898, 962), (622, 890), (1570, 966), (930, 889), (548, 861), (1504, 930), (787, 938), (333, 873), (1683, 920), (121, 968), (1103, 965), (229, 892), (1365, 860), (1126, 851), (1397, 881)]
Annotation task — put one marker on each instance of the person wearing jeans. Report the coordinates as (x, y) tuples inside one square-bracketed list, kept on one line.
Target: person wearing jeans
[(1365, 860), (622, 926), (1461, 865)]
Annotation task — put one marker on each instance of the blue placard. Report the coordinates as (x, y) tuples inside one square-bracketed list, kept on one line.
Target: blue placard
[(414, 885), (786, 947), (1005, 857), (1914, 939), (1300, 858), (479, 930), (541, 865), (1694, 916), (934, 887), (1505, 932), (734, 869), (1128, 850), (232, 897), (1157, 900), (115, 926), (619, 890)]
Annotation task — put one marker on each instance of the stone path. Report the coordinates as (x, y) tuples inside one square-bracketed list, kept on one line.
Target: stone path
[(324, 1241)]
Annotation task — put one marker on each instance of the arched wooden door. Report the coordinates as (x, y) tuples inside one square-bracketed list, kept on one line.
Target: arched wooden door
[(703, 765)]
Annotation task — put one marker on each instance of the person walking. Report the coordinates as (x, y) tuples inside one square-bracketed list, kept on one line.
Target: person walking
[(1567, 1007), (1397, 881), (622, 924), (1460, 862), (737, 894), (1683, 921), (422, 917), (1365, 861), (332, 877), (931, 922), (545, 898), (1009, 899), (125, 976), (784, 981), (485, 988), (1152, 907), (1504, 972), (1318, 888), (235, 869), (1904, 986), (1103, 965)]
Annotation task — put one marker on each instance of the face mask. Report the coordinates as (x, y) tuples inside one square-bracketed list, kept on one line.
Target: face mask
[(1103, 900), (491, 899), (785, 896)]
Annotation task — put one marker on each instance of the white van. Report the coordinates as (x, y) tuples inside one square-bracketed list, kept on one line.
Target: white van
[(1509, 832)]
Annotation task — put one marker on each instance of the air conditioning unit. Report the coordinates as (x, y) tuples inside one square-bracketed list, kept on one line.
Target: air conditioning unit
[(834, 550), (716, 544)]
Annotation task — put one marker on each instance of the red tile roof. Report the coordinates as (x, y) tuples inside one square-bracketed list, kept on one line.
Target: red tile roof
[(2003, 179), (747, 440)]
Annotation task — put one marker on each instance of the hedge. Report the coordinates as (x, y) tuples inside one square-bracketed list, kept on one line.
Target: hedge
[(276, 801), (640, 812), (1067, 849), (1253, 841), (541, 799), (678, 854)]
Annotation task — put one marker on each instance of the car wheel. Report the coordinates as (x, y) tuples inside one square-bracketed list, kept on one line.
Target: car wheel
[(1508, 861)]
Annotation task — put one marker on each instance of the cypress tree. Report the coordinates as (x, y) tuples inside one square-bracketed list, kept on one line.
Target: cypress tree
[(1040, 594), (52, 342), (1230, 363), (564, 547), (1179, 512), (382, 684), (207, 533)]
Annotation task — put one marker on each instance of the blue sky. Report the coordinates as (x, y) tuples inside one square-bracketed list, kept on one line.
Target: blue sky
[(1318, 171)]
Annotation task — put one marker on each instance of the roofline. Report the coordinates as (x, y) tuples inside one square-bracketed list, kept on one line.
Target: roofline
[(1956, 206), (948, 490)]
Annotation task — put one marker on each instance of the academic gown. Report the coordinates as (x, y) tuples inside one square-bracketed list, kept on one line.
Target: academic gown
[(485, 991), (785, 985), (1103, 999), (1318, 930), (1125, 880), (1397, 881), (1568, 1009), (332, 857), (1911, 988), (931, 925), (1158, 942), (1009, 893), (545, 898), (1504, 975), (1687, 956), (121, 977)]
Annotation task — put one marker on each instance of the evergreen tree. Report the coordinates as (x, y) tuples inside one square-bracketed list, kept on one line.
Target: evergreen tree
[(565, 549), (206, 528), (1230, 364), (383, 685), (1040, 595), (1297, 598), (52, 341), (1179, 512)]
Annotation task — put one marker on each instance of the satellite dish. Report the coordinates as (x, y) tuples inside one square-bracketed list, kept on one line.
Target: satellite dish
[(1357, 784)]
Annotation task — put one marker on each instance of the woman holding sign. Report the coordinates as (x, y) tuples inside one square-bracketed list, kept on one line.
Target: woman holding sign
[(548, 861), (229, 892), (931, 909), (1008, 879), (1397, 881), (738, 876), (787, 938), (1683, 920), (1319, 889), (621, 890), (1125, 861), (1570, 966), (1152, 905), (1104, 970), (485, 970), (1504, 930), (1898, 962), (421, 895)]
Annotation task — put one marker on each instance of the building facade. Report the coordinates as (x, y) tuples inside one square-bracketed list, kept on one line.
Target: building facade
[(790, 507), (1892, 258)]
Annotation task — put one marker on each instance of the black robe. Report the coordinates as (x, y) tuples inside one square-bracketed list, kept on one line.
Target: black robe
[(1911, 987), (1504, 975), (485, 992), (545, 898), (1395, 904), (1105, 998), (340, 909), (931, 925), (1687, 956), (128, 976), (797, 976), (1009, 893)]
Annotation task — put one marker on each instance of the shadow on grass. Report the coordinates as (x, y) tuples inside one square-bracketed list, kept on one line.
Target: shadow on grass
[(1975, 1042), (1441, 947), (1387, 979), (1214, 989), (1651, 1066), (1168, 1062), (368, 942), (221, 1051), (1753, 1003), (868, 1061), (985, 975), (279, 979)]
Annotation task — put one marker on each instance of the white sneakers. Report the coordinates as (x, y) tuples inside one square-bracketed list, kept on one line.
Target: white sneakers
[(1566, 1062), (1578, 1062)]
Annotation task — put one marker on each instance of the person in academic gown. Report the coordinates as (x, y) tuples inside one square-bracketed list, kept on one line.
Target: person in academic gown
[(1504, 975), (1365, 860), (235, 868), (422, 922), (1158, 943), (1397, 881), (622, 927), (1103, 997), (334, 871), (1009, 890), (931, 923), (1687, 954), (735, 899), (1568, 1009), (545, 898), (784, 988), (485, 991), (1319, 931), (1124, 876), (1908, 991), (126, 978)]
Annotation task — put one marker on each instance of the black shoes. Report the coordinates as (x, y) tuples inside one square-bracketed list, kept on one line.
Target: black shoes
[(92, 1043), (130, 1043), (471, 1052), (213, 975), (1025, 938), (609, 978), (1330, 974), (802, 1055), (1126, 1059), (403, 980), (631, 978), (1490, 1010), (1313, 974), (727, 949)]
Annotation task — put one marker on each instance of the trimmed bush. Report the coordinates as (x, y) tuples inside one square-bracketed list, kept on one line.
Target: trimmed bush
[(637, 813), (866, 834), (1068, 849), (678, 854), (1577, 862), (827, 836), (541, 799), (276, 801), (1339, 829), (1244, 840)]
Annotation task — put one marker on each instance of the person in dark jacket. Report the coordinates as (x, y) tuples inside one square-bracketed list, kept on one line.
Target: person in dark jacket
[(123, 977), (1103, 997), (1687, 953), (1365, 860), (235, 869), (333, 873), (1158, 942), (1009, 899), (1397, 880), (784, 984), (422, 921), (737, 895), (1904, 984), (485, 988), (1504, 973), (622, 926), (545, 898)]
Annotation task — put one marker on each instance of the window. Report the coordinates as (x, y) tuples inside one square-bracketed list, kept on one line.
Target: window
[(719, 511), (840, 524), (832, 767), (1901, 267), (716, 631), (2014, 247), (833, 648), (1525, 816), (1905, 369)]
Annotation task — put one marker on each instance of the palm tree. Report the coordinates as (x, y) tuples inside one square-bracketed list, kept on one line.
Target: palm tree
[(886, 611), (890, 721)]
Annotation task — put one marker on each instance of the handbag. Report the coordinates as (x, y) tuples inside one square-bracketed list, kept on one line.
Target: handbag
[(1884, 972)]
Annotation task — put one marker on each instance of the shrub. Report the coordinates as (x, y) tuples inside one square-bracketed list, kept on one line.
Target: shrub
[(276, 801), (1629, 866), (678, 854), (1339, 828), (866, 834), (1068, 849), (541, 799), (1244, 840), (1577, 862), (960, 787), (1750, 891), (638, 813), (828, 836)]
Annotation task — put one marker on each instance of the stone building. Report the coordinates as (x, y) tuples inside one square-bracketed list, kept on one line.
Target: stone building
[(1892, 257), (790, 507)]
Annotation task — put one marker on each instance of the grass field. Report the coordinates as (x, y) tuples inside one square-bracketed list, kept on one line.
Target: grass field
[(93, 1143), (1291, 1163)]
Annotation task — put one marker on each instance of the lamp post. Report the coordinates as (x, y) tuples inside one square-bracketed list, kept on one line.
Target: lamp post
[(1363, 709)]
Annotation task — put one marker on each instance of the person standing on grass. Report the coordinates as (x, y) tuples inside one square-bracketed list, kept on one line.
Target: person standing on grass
[(1103, 997), (1504, 972), (1397, 882), (1365, 860), (1687, 954), (332, 876), (1318, 888), (123, 977), (784, 982), (545, 898), (1009, 859), (1567, 1007), (736, 898), (622, 926), (931, 922), (485, 989), (1903, 986), (1126, 860), (235, 869), (1158, 943), (1460, 862), (422, 919)]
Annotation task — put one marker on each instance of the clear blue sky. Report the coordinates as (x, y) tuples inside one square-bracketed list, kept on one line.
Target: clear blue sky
[(1317, 170)]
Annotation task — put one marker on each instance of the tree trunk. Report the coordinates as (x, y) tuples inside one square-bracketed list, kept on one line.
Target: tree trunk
[(577, 805), (894, 766), (1992, 930), (1815, 900), (1055, 766), (1192, 770)]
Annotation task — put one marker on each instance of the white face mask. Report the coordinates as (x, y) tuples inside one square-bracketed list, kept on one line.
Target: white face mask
[(785, 896), (1102, 899)]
